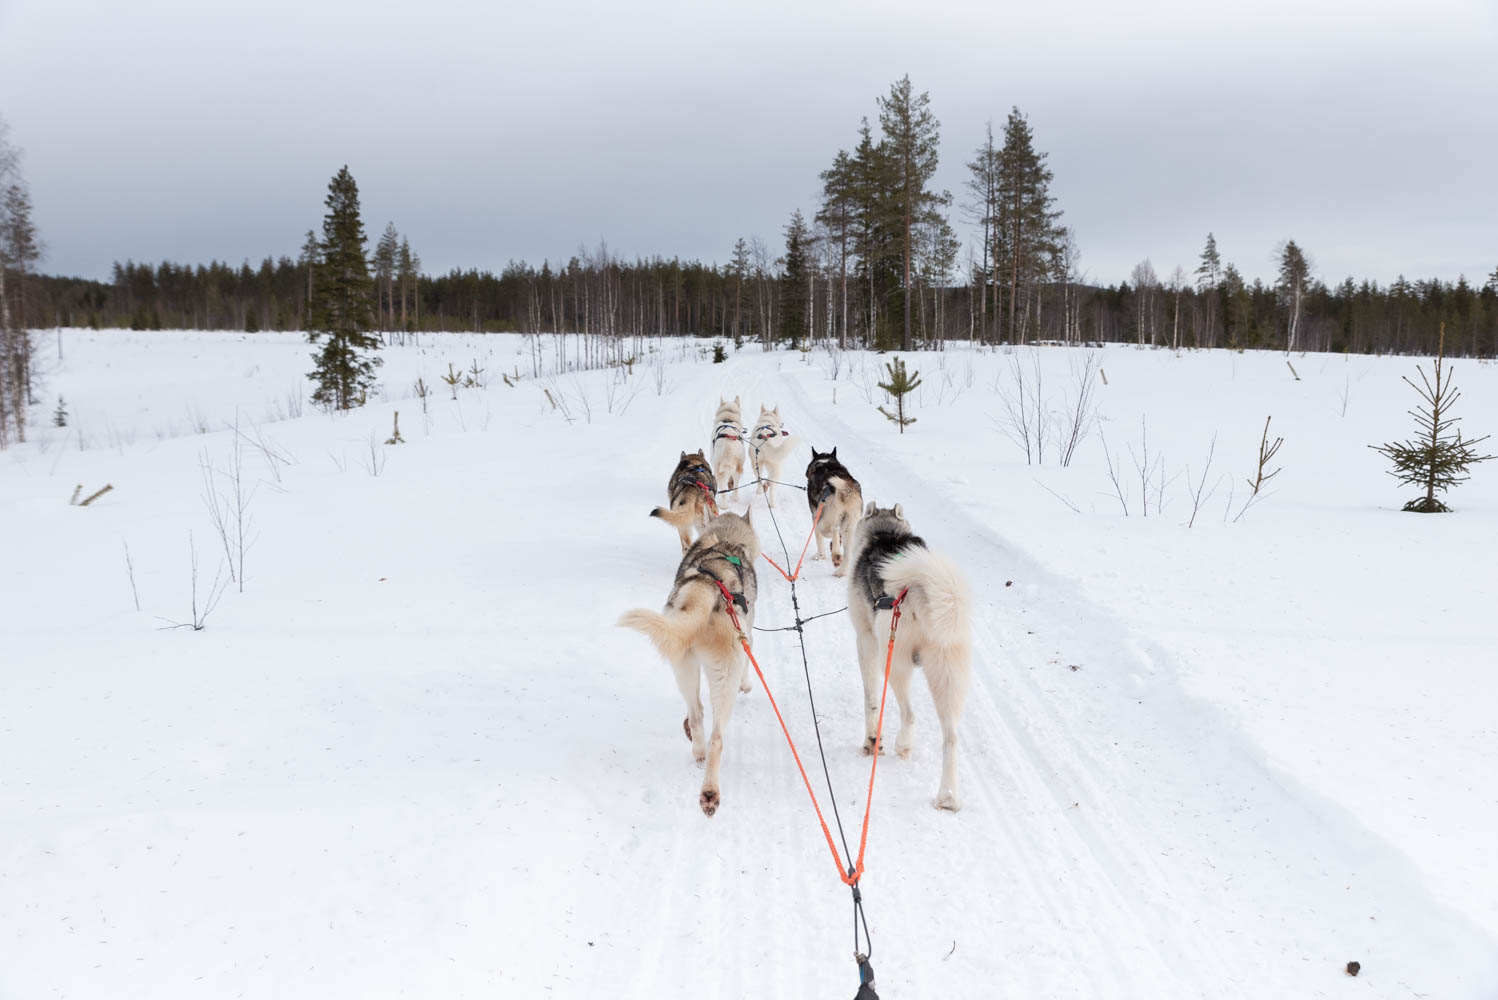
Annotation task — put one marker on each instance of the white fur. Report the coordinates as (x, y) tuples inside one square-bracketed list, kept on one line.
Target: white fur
[(768, 448), (728, 454), (933, 634)]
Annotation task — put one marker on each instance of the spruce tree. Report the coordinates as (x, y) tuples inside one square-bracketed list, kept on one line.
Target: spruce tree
[(793, 282), (1435, 459), (912, 136), (311, 253), (1028, 230), (1208, 278), (340, 303), (900, 385), (385, 257)]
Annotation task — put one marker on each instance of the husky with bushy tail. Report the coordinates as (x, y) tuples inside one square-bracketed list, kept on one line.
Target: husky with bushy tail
[(695, 633), (769, 444), (934, 632)]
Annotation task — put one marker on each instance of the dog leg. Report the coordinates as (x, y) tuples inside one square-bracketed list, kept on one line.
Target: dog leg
[(947, 671), (686, 678), (837, 550), (720, 688), (872, 669), (821, 544), (899, 679), (744, 686)]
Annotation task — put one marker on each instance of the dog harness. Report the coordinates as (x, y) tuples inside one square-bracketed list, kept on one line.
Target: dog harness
[(724, 428)]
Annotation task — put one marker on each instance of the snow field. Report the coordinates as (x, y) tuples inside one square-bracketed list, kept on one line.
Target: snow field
[(414, 757)]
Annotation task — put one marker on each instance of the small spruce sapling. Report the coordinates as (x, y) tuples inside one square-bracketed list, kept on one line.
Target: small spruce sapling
[(900, 385), (719, 355), (453, 379), (1435, 460), (60, 415)]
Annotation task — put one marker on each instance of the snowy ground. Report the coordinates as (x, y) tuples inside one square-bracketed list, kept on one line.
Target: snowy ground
[(414, 756)]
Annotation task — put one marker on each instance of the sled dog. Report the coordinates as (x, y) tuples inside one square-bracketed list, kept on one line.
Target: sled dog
[(769, 443), (933, 633), (690, 494), (728, 443), (827, 478), (696, 633)]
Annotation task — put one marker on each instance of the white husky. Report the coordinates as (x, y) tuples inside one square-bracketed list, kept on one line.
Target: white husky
[(933, 633), (728, 444), (696, 633), (769, 444)]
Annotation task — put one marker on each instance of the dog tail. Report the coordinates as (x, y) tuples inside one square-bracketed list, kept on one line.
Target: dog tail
[(674, 631), (677, 517), (938, 591)]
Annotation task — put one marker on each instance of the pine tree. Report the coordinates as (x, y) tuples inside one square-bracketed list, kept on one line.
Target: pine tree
[(912, 135), (739, 272), (1294, 282), (836, 216), (406, 275), (1208, 278), (1028, 229), (793, 282), (875, 218), (900, 385), (385, 255), (340, 303), (60, 415), (982, 208), (1436, 459), (308, 259)]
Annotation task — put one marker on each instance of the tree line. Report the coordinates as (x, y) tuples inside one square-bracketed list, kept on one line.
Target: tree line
[(876, 262)]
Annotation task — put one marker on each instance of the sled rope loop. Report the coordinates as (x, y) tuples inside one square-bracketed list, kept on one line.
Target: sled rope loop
[(853, 872), (791, 577)]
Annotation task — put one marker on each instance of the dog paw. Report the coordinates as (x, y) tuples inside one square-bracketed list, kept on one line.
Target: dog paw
[(903, 751), (871, 747), (708, 800), (745, 687), (837, 559), (948, 801)]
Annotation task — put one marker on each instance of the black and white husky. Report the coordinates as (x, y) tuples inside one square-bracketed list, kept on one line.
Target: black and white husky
[(830, 485), (695, 633), (933, 634)]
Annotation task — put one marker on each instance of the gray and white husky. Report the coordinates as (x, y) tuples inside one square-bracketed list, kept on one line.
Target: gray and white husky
[(933, 633), (696, 633), (769, 444), (728, 444), (691, 492)]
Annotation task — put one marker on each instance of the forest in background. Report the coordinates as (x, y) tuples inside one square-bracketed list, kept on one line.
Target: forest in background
[(877, 262)]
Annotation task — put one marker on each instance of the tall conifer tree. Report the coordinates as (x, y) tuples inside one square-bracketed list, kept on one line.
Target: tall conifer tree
[(340, 315), (912, 135), (1028, 229), (794, 283)]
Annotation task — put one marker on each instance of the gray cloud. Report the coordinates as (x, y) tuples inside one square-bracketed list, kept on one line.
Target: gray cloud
[(183, 130)]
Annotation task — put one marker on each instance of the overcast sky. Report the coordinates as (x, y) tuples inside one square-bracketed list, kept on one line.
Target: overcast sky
[(189, 130)]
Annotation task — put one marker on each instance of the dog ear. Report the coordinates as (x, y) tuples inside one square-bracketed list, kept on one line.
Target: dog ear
[(900, 512), (776, 411), (834, 451), (683, 454), (749, 517), (871, 509), (736, 401)]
